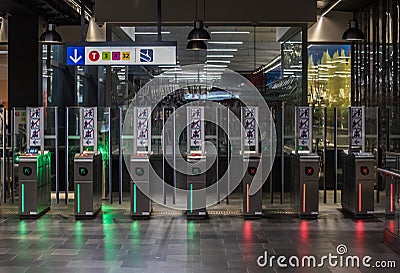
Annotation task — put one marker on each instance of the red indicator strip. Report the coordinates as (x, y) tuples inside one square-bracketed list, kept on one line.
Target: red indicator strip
[(247, 198), (359, 197), (304, 197), (391, 198)]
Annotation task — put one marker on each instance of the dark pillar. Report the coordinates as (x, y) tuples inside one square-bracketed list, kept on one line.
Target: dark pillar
[(23, 60)]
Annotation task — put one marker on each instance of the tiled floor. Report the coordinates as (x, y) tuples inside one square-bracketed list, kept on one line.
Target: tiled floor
[(114, 243)]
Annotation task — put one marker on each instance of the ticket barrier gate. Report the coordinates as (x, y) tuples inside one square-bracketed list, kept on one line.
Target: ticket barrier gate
[(88, 176), (358, 187), (140, 187), (304, 195), (35, 184), (196, 180), (252, 204)]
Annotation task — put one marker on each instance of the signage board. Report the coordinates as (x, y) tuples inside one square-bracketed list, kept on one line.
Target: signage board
[(143, 126), (35, 126), (357, 126), (304, 127), (109, 54), (196, 124), (249, 120), (89, 126)]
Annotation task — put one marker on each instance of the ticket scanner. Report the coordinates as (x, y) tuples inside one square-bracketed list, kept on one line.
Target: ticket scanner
[(196, 165), (88, 168), (35, 169), (304, 195), (359, 170), (140, 165), (252, 164)]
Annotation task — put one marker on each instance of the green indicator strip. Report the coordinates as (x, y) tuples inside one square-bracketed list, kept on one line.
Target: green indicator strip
[(23, 198), (134, 198), (191, 198), (79, 198)]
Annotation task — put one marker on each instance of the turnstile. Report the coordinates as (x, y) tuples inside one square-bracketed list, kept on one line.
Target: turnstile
[(140, 186), (304, 195), (252, 204), (196, 180), (88, 176), (358, 187), (35, 184)]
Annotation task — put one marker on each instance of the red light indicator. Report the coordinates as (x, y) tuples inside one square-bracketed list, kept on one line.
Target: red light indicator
[(304, 197), (364, 170), (359, 197), (247, 198), (391, 198), (309, 171), (252, 171)]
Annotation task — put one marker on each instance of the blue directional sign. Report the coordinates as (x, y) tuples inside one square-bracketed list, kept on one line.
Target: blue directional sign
[(76, 55), (146, 55)]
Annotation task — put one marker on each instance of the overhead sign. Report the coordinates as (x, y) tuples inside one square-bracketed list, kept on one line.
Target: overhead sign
[(304, 127), (121, 55)]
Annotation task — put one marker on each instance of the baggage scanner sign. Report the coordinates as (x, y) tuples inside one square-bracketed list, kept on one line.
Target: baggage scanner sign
[(88, 126), (35, 127)]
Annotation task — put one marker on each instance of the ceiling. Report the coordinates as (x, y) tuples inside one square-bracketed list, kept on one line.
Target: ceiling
[(63, 12), (344, 5), (257, 46), (239, 57)]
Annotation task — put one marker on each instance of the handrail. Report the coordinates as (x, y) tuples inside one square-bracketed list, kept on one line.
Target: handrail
[(388, 172)]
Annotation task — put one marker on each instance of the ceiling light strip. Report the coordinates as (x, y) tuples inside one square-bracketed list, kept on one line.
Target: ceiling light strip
[(226, 42), (331, 7), (230, 32)]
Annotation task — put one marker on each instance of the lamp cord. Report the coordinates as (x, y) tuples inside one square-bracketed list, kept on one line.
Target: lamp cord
[(196, 12)]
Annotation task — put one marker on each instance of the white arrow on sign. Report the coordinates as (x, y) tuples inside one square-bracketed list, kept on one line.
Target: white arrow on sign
[(75, 58)]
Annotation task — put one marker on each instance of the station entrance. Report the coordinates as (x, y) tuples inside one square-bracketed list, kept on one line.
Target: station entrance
[(207, 87)]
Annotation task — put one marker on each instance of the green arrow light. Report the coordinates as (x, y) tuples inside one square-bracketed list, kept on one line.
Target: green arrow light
[(83, 171), (27, 171)]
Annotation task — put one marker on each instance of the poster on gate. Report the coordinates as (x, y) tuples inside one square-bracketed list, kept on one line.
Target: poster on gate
[(304, 127), (142, 122), (196, 126), (249, 121), (35, 125), (89, 126), (357, 125)]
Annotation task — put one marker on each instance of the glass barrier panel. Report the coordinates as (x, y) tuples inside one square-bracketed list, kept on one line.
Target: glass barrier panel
[(103, 145), (73, 142), (318, 129), (289, 128), (50, 140)]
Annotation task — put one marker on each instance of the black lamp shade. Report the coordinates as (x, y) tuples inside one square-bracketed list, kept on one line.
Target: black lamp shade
[(50, 35), (198, 33), (196, 45), (353, 33)]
